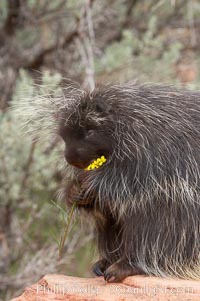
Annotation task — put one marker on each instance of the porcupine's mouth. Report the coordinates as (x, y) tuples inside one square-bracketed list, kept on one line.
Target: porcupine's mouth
[(91, 164)]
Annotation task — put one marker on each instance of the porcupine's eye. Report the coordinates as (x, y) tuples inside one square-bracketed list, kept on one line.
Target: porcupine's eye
[(89, 134)]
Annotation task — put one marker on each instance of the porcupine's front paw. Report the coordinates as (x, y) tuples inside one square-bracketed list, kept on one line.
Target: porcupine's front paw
[(100, 266), (72, 193), (76, 194), (120, 270)]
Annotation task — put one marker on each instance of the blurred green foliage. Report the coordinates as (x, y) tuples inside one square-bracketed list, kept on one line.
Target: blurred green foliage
[(26, 181), (15, 153), (145, 65)]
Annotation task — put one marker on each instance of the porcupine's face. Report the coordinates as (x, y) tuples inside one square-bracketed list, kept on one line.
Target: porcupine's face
[(86, 133)]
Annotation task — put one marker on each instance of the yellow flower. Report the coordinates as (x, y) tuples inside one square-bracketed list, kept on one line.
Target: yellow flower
[(96, 163)]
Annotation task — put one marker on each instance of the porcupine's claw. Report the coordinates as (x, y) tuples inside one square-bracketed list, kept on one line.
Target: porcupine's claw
[(120, 270), (99, 267)]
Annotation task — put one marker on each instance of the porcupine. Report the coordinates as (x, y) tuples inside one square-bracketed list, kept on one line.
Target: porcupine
[(145, 198)]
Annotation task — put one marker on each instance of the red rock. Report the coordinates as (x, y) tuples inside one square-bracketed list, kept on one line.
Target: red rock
[(187, 73), (60, 287)]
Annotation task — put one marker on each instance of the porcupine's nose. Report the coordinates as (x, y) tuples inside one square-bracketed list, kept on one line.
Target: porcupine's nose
[(74, 157)]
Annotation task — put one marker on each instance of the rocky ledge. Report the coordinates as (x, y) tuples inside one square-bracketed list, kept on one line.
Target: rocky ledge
[(60, 287)]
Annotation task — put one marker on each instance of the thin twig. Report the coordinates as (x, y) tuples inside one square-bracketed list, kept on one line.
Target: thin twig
[(86, 43)]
